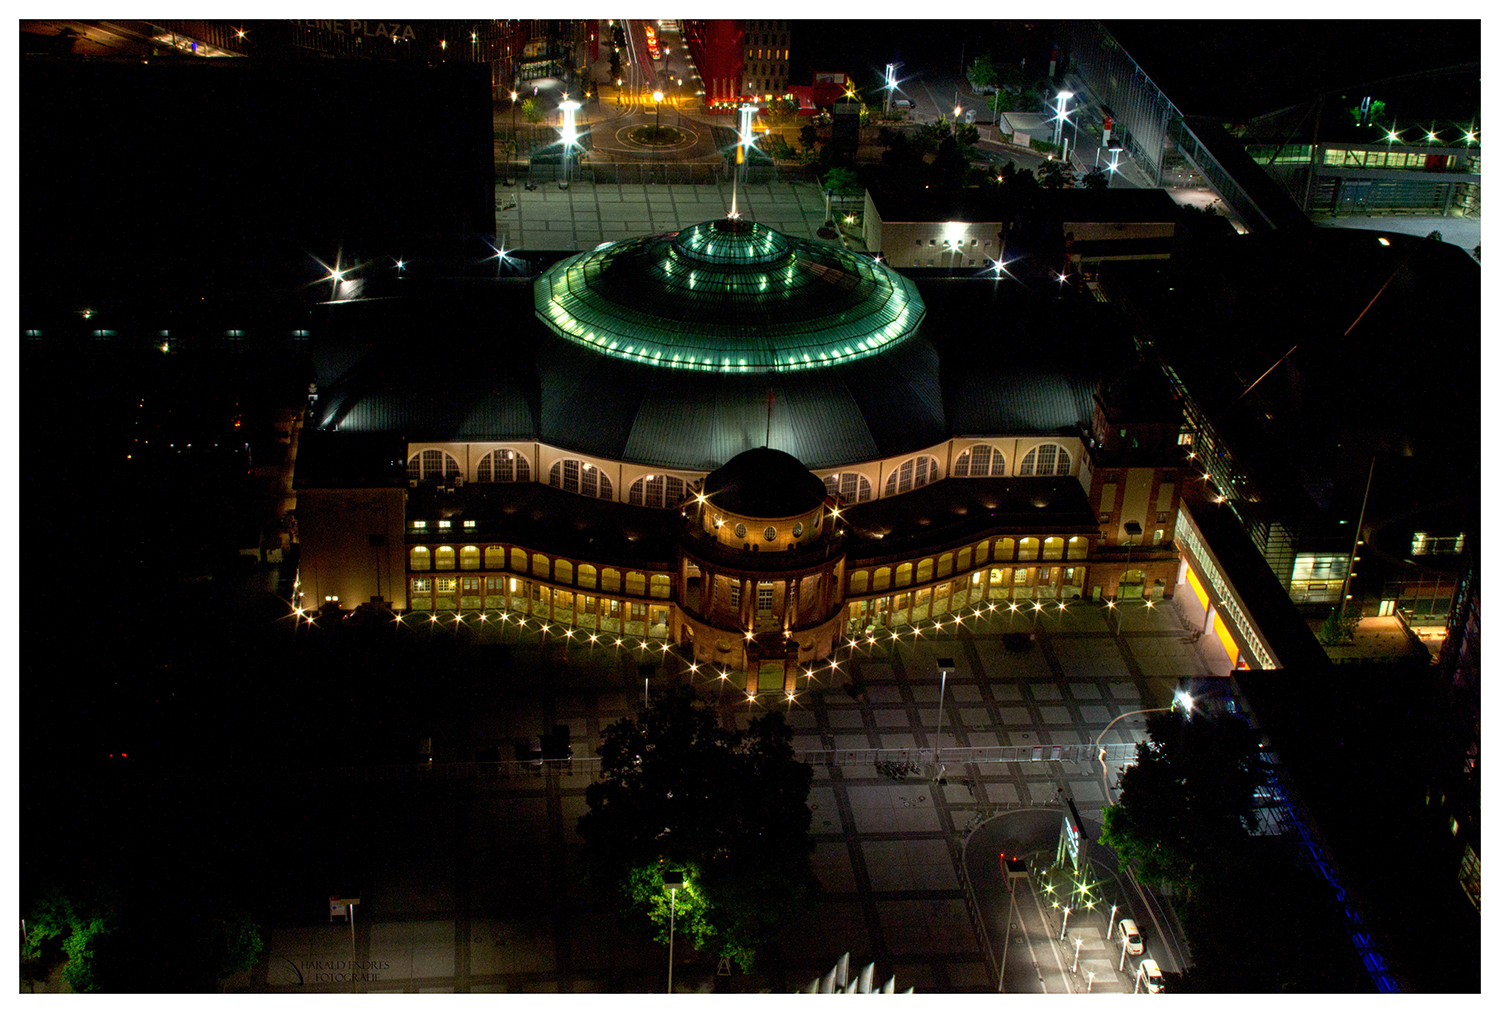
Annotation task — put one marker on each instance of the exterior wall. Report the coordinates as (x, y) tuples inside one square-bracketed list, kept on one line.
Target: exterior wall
[(1148, 496), (809, 608), (887, 592), (352, 546), (722, 525), (766, 50), (622, 474)]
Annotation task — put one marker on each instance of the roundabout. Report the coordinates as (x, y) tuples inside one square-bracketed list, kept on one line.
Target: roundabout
[(658, 137)]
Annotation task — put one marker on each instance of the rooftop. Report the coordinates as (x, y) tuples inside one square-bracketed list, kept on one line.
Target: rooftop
[(728, 296)]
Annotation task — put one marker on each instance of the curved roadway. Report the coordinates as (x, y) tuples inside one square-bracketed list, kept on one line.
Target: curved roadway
[(1024, 931)]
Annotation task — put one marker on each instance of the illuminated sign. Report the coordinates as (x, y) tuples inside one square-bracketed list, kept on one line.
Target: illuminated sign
[(365, 29)]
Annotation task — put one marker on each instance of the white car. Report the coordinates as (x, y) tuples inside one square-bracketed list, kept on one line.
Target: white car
[(1131, 937), (1152, 973)]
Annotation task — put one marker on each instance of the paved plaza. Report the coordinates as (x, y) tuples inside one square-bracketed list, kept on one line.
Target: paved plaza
[(587, 214), (485, 895)]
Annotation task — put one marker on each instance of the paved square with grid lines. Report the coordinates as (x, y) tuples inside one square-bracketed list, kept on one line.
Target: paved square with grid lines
[(489, 898)]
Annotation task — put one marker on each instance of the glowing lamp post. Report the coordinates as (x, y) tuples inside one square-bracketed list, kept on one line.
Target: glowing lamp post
[(569, 134), (656, 97), (1062, 115), (672, 881)]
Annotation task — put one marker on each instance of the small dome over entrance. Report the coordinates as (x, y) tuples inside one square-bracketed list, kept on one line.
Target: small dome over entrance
[(764, 483)]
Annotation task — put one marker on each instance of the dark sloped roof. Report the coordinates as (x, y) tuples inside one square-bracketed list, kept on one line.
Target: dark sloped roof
[(764, 483)]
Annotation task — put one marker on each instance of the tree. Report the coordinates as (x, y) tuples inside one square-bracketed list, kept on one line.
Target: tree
[(983, 74), (1096, 179), (531, 111), (677, 792), (1187, 800), (1054, 175), (1339, 627), (111, 938), (843, 182)]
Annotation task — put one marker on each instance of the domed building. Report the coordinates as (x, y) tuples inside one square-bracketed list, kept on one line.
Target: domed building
[(736, 440)]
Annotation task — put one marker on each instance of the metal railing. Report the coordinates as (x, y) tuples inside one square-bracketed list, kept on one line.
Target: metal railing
[(1085, 752)]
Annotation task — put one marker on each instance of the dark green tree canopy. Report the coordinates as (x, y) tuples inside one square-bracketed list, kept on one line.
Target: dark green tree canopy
[(727, 808), (1187, 800)]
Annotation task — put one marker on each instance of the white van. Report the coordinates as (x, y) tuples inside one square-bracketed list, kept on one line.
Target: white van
[(1131, 937), (1152, 973)]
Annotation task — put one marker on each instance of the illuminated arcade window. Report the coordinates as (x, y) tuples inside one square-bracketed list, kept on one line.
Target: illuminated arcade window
[(979, 461), (851, 485), (432, 464), (1048, 459), (571, 475), (912, 474), (504, 466), (657, 491)]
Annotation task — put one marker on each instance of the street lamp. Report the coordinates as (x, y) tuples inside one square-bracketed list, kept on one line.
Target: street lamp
[(569, 134), (1062, 115), (672, 881), (945, 665), (656, 97)]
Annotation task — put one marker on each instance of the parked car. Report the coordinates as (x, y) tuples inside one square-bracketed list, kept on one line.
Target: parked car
[(1152, 973), (1131, 937)]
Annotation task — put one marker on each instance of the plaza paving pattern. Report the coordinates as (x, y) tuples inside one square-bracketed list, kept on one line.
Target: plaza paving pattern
[(454, 908), (587, 214)]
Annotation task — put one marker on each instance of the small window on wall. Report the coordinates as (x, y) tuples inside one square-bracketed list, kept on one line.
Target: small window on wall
[(740, 531), (797, 530)]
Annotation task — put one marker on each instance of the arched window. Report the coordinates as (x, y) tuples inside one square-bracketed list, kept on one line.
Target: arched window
[(912, 474), (924, 571), (587, 576), (1048, 459), (468, 557), (859, 581), (494, 557), (504, 466), (1029, 548), (444, 557), (903, 575), (518, 560), (945, 564), (1005, 548), (562, 572), (657, 491), (432, 464), (421, 558), (610, 579), (661, 585), (1078, 547), (572, 475), (635, 583), (540, 564), (850, 485), (978, 461), (882, 578), (1052, 548)]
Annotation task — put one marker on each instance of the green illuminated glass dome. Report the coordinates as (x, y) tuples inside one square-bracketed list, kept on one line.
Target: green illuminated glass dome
[(728, 296)]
